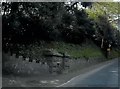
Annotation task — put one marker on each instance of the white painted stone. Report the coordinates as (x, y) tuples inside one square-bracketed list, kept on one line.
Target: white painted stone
[(20, 58), (27, 59), (34, 61)]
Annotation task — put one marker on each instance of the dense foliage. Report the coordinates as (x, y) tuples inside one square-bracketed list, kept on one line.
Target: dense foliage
[(43, 21), (25, 22)]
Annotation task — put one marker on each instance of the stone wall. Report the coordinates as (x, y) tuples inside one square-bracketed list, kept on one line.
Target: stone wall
[(23, 66)]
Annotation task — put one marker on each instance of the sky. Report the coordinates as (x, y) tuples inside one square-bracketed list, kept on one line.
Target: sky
[(116, 0)]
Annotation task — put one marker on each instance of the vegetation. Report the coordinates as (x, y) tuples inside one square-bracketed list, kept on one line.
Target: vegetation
[(30, 22)]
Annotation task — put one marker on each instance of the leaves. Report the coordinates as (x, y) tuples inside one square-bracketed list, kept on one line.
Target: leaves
[(26, 22)]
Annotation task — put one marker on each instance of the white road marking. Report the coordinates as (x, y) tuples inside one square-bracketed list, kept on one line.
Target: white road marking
[(82, 76), (114, 71)]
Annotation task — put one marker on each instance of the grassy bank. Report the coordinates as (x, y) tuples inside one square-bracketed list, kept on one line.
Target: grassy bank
[(78, 51), (88, 49), (114, 53), (74, 50)]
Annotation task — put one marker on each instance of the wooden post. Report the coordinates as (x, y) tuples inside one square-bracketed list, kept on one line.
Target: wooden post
[(102, 43), (108, 51), (63, 61)]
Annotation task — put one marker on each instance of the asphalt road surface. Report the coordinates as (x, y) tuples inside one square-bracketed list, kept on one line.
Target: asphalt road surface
[(103, 76), (0, 69)]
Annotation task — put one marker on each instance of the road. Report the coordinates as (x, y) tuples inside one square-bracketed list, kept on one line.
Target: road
[(103, 76), (0, 69)]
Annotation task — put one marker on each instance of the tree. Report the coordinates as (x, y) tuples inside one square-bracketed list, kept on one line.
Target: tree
[(31, 20), (108, 9), (108, 12)]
